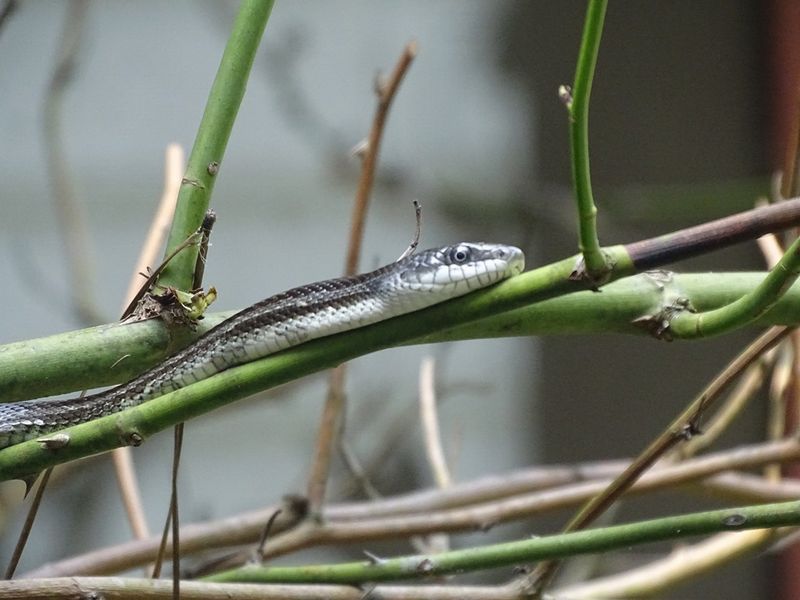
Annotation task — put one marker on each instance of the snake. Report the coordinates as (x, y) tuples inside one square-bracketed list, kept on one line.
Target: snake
[(279, 322)]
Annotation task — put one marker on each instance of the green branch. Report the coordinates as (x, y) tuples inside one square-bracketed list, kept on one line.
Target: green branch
[(595, 261), (746, 309), (514, 553), (205, 159), (92, 357), (157, 414)]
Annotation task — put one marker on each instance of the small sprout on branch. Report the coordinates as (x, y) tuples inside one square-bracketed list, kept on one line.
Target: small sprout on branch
[(689, 431), (487, 526), (580, 273), (658, 324), (134, 439), (360, 149), (672, 303), (374, 559), (55, 441), (192, 182), (565, 95), (520, 570), (380, 85)]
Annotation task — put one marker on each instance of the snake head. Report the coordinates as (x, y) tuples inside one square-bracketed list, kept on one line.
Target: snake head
[(458, 269)]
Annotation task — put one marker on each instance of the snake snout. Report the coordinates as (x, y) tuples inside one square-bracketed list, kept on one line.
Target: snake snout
[(513, 256)]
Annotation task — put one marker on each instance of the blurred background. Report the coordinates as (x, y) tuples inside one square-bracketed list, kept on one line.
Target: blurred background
[(689, 115)]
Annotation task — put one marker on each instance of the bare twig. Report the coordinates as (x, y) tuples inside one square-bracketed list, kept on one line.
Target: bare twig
[(485, 515), (433, 441), (159, 227), (174, 165), (121, 588), (28, 525), (154, 274), (386, 93), (748, 386), (265, 535), (683, 563), (430, 424), (335, 401), (326, 439), (173, 513), (172, 522)]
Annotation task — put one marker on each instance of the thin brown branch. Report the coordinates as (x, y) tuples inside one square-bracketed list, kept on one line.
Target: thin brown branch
[(751, 489), (747, 387), (22, 539), (333, 412), (485, 515), (326, 439), (386, 93), (119, 588), (430, 424), (174, 165), (721, 233), (434, 450)]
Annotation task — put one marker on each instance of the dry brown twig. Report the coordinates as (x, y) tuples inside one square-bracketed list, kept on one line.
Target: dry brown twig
[(335, 400), (434, 450), (462, 507)]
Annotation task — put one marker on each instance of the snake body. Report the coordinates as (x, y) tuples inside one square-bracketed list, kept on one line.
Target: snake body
[(279, 322)]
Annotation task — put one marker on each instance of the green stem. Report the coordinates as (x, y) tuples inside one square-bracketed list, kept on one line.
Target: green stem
[(91, 357), (222, 107), (746, 309), (157, 414), (512, 553), (594, 259)]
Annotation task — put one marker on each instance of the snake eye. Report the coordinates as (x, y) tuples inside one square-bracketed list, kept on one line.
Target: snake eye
[(460, 254)]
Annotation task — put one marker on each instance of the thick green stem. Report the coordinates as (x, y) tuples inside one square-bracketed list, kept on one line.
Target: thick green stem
[(594, 259), (204, 163), (157, 414), (115, 353)]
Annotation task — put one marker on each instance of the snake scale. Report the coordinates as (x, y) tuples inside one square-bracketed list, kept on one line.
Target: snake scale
[(280, 322)]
